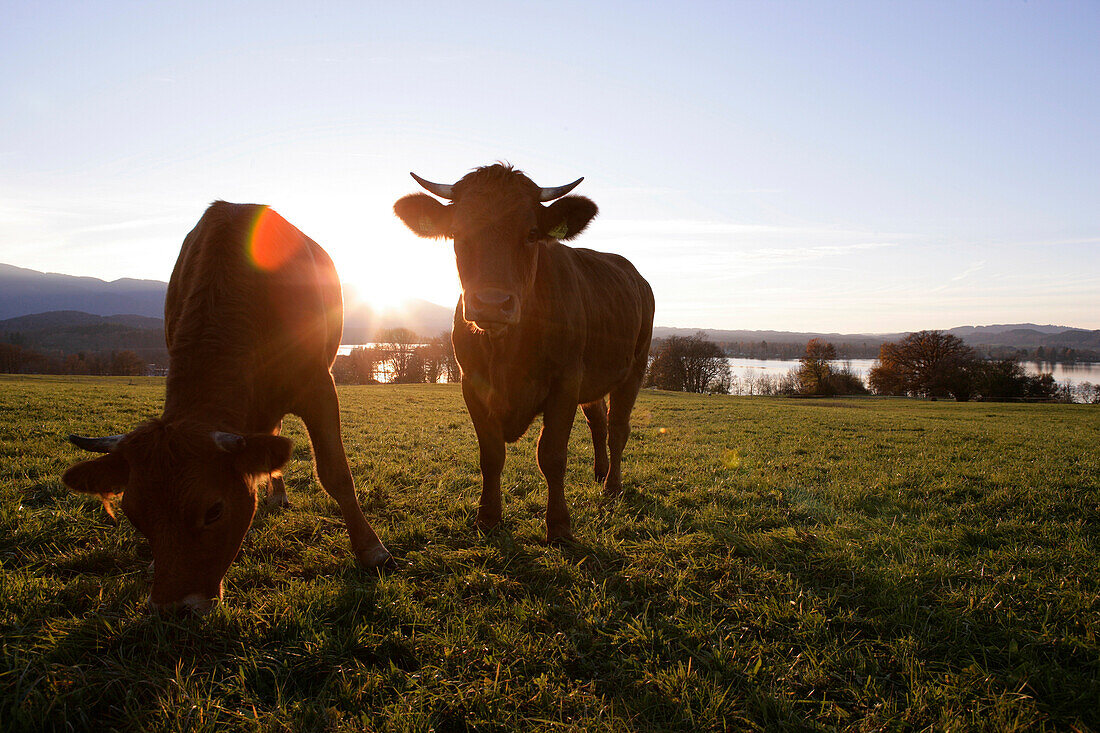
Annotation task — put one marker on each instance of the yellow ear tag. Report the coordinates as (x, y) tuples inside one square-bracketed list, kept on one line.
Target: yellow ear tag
[(425, 225), (559, 231)]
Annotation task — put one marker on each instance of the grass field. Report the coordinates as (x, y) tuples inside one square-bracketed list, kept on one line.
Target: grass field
[(805, 564)]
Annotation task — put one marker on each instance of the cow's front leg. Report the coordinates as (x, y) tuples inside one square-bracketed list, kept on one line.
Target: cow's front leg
[(276, 493), (321, 414), (557, 422), (490, 443), (276, 487)]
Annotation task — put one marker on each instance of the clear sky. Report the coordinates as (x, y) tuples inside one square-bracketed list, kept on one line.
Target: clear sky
[(824, 166)]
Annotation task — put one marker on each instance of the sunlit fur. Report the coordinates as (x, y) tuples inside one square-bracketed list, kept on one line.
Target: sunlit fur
[(574, 327), (253, 319)]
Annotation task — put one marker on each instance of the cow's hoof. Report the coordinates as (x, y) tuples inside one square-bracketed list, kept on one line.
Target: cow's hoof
[(281, 502), (486, 527), (601, 477), (559, 537), (487, 522), (612, 493), (376, 558)]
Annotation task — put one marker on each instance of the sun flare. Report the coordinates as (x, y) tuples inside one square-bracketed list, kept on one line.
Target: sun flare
[(388, 280)]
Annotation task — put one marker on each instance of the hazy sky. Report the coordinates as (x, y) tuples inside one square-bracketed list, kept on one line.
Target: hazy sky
[(824, 166)]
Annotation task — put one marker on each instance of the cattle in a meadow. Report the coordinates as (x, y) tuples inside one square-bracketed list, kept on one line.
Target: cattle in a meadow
[(540, 327), (253, 318)]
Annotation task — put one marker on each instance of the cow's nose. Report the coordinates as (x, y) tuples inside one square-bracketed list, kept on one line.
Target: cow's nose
[(495, 299), (193, 603), (199, 604)]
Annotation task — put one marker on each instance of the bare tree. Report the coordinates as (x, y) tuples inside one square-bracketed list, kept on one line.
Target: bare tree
[(358, 367), (439, 359), (688, 364), (814, 373), (925, 363), (401, 362), (126, 364)]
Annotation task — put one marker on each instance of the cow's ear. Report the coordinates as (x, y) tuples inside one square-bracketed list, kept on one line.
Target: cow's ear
[(105, 477), (424, 215), (567, 217), (262, 454)]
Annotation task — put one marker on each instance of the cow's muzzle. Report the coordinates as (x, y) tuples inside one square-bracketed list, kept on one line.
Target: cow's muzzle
[(193, 603), (491, 309)]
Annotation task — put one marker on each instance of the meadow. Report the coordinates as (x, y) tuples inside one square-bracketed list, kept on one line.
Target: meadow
[(863, 564)]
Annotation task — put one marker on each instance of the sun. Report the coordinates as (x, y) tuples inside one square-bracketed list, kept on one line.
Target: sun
[(387, 279), (380, 293)]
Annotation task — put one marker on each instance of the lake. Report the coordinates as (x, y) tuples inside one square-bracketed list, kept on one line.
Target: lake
[(751, 369), (1072, 373)]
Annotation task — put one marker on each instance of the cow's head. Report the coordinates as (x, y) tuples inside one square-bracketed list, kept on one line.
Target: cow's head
[(499, 226), (190, 490)]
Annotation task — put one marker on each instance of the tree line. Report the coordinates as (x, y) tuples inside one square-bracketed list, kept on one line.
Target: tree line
[(935, 364), (694, 364), (929, 364), (16, 359), (399, 356), (790, 350)]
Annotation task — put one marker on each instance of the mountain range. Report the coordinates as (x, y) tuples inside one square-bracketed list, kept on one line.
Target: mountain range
[(55, 298), (54, 311)]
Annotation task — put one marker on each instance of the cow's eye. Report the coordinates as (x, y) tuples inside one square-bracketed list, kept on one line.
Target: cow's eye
[(214, 513), (533, 235)]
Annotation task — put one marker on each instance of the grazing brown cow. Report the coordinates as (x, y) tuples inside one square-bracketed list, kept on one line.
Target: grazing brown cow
[(540, 327), (253, 317)]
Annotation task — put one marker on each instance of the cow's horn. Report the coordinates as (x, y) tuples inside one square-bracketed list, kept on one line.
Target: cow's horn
[(549, 194), (96, 445), (439, 189), (228, 442)]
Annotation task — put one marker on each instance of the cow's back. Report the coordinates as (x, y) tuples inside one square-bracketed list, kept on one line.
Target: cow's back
[(614, 305), (252, 303)]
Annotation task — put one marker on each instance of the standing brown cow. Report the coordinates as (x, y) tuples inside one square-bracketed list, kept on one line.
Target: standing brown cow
[(540, 327), (253, 317)]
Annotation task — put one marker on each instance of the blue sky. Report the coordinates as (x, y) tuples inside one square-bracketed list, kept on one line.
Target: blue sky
[(797, 166)]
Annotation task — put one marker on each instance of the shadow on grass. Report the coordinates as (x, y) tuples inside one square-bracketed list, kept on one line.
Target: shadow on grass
[(625, 634)]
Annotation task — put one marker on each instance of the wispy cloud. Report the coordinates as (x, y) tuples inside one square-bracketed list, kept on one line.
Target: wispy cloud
[(771, 255), (974, 267), (1054, 242), (690, 228), (127, 224)]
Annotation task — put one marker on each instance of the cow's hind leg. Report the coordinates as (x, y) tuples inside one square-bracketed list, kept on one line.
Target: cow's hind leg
[(618, 430), (596, 415), (490, 443), (276, 487), (321, 414)]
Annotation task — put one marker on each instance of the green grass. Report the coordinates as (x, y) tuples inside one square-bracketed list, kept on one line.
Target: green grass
[(809, 564)]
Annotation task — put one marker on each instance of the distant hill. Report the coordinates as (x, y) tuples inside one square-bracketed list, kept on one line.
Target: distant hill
[(1031, 337), (362, 322), (24, 291), (779, 337), (72, 319), (72, 332), (975, 333), (32, 301), (1011, 336), (51, 309)]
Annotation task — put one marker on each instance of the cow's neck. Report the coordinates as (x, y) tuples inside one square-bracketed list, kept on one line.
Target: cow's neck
[(202, 386), (514, 360)]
